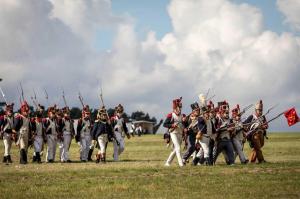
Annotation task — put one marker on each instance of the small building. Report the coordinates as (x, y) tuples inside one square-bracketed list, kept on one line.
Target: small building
[(147, 127)]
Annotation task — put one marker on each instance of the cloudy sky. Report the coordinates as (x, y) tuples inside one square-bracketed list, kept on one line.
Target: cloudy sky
[(146, 53)]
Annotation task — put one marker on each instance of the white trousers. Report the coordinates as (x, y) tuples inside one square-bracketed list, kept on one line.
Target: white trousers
[(85, 144), (23, 139), (102, 140), (118, 149), (51, 148), (7, 143), (204, 142), (38, 144), (64, 146), (176, 139)]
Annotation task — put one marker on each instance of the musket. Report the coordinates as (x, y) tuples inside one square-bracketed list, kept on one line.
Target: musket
[(34, 94), (231, 124), (46, 96), (20, 99), (245, 109), (102, 101), (34, 99), (206, 96), (269, 110), (274, 118), (80, 99), (108, 119), (3, 95), (34, 102), (257, 119), (63, 95), (211, 98), (22, 92)]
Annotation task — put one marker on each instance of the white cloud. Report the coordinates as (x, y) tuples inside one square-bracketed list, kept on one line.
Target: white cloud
[(86, 17), (214, 44), (291, 11)]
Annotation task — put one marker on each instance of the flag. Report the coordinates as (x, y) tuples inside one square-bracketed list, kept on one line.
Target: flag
[(291, 116)]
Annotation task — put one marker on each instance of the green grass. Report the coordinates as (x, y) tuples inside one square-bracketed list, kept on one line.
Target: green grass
[(141, 174)]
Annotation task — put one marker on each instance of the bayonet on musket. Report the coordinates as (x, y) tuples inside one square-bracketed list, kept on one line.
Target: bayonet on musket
[(34, 99), (80, 99), (246, 109), (22, 91), (108, 119), (64, 98), (3, 95), (34, 102), (210, 98), (259, 118), (46, 96), (249, 133)]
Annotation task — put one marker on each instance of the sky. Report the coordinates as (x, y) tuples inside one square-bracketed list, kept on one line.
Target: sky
[(146, 53)]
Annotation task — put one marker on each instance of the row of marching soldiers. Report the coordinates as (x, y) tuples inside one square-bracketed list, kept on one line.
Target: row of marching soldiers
[(209, 131), (57, 129)]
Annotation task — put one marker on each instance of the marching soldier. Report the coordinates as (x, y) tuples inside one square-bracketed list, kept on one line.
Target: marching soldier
[(224, 135), (101, 132), (38, 135), (83, 136), (192, 131), (6, 126), (51, 134), (68, 133), (257, 133), (175, 123), (213, 143), (206, 130), (23, 128), (59, 130), (238, 135), (120, 131)]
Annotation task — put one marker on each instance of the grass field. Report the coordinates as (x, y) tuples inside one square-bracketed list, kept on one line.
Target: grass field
[(141, 174)]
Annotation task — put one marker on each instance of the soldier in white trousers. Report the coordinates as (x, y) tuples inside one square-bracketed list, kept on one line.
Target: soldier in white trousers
[(23, 128), (68, 133), (175, 122), (83, 136), (38, 136), (120, 131), (206, 130), (51, 134), (238, 135), (60, 136), (6, 126), (101, 132)]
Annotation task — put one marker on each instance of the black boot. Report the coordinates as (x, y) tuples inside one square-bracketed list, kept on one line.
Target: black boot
[(90, 155), (103, 159), (23, 156), (196, 161), (4, 159), (208, 162), (9, 159), (34, 157), (202, 160), (38, 157), (98, 157)]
